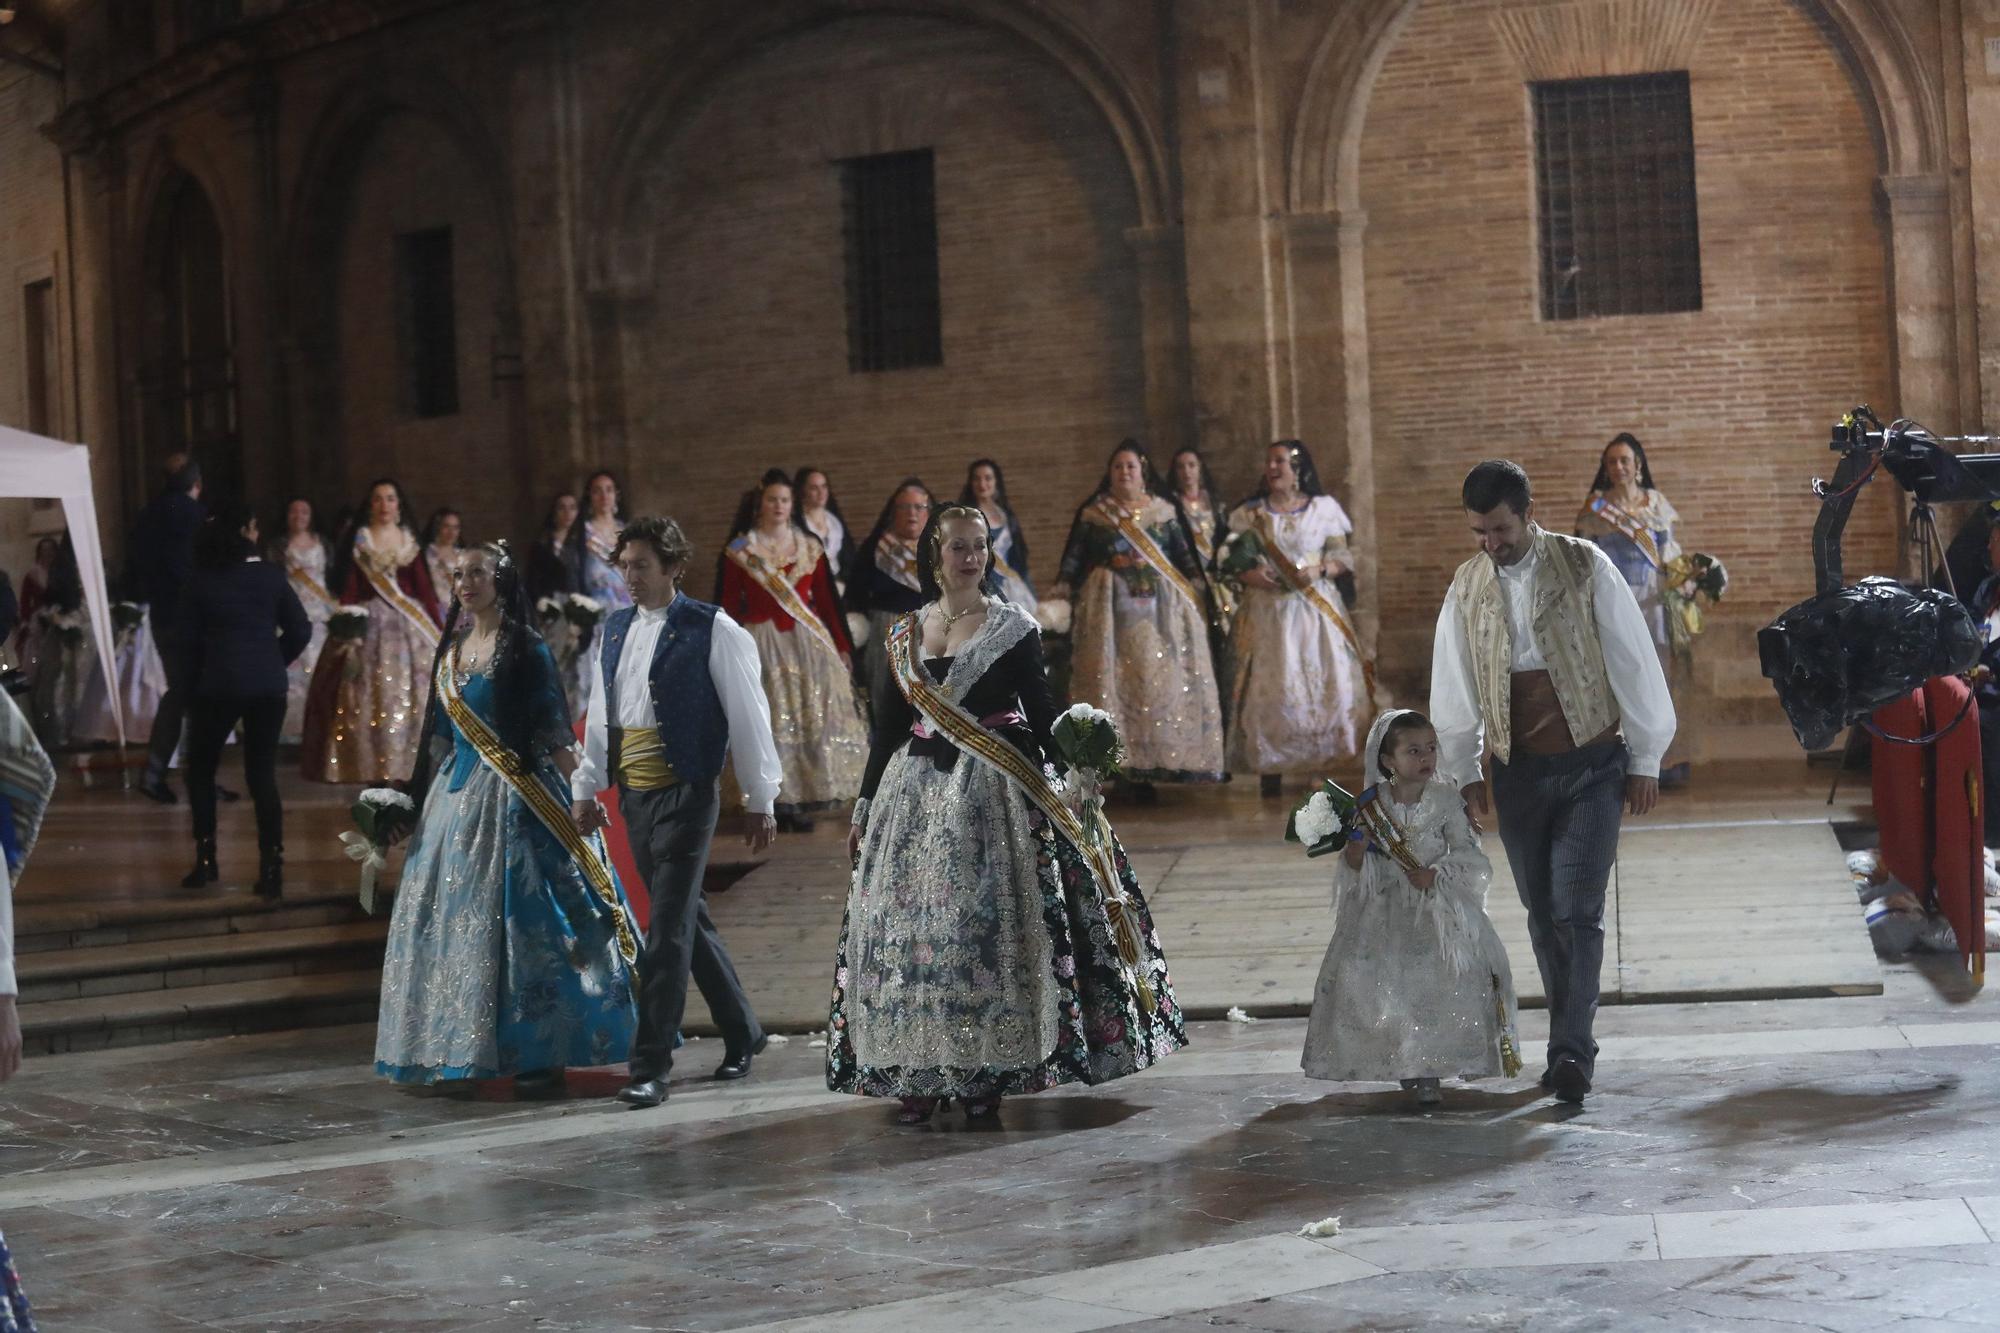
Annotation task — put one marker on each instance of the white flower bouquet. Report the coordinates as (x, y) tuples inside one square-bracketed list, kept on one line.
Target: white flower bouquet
[(1086, 739), (1322, 822), (382, 814)]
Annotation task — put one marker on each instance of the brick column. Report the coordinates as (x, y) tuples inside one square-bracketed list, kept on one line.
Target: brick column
[(1921, 298), (1329, 367), (1163, 337)]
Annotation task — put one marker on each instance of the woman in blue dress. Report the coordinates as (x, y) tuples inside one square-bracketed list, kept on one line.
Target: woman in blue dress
[(511, 946), (592, 539)]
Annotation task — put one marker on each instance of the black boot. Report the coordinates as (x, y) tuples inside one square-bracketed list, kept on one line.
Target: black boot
[(205, 871), (270, 873)]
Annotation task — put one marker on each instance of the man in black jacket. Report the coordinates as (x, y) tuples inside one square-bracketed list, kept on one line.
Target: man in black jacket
[(161, 560)]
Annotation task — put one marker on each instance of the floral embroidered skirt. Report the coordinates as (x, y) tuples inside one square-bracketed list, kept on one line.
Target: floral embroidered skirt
[(816, 725), (976, 958), (1142, 655)]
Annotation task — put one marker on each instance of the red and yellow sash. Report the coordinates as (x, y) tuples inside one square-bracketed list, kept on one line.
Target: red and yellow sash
[(964, 731), (588, 853), (1306, 586), (1628, 525), (1133, 531), (782, 591), (898, 559)]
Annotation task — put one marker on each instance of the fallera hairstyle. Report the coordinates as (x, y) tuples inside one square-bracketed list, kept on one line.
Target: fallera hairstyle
[(999, 486), (583, 496), (1630, 441), (1303, 468), (930, 550), (343, 548), (662, 534), (283, 527), (752, 502), (549, 515), (747, 510), (436, 521), (1494, 483), (522, 695), (1128, 445), (1408, 722), (1207, 478), (799, 479)]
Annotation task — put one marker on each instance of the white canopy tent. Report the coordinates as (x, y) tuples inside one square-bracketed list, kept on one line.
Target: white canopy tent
[(34, 467)]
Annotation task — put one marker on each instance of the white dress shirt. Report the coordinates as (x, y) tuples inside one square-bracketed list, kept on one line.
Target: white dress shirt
[(739, 681), (1646, 709)]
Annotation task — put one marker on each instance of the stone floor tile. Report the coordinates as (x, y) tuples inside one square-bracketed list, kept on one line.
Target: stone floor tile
[(1894, 1225), (1538, 1242), (1198, 1279)]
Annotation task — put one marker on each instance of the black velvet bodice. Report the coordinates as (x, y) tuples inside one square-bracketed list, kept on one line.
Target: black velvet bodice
[(1016, 682)]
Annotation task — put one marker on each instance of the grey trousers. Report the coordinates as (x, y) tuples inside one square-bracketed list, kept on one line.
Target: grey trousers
[(670, 830), (1559, 819)]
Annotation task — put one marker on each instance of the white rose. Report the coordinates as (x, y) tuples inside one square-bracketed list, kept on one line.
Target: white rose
[(1316, 820)]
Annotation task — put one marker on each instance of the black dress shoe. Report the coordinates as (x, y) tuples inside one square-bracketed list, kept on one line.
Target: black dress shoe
[(156, 789), (1549, 1079), (1568, 1081), (736, 1064), (643, 1092)]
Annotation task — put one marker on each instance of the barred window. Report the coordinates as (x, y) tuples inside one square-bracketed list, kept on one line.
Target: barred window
[(426, 323), (1615, 166), (889, 209)]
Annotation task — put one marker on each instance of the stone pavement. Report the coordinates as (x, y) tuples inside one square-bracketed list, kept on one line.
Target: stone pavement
[(1752, 1165), (1734, 890)]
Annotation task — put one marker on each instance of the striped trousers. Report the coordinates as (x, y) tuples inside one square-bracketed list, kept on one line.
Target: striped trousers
[(1559, 817)]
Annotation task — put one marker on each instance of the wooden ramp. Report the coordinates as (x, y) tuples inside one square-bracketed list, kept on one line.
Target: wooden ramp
[(1702, 910)]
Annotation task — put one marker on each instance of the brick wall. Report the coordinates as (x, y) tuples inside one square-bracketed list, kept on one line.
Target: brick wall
[(1733, 402), (31, 249), (743, 364), (413, 178)]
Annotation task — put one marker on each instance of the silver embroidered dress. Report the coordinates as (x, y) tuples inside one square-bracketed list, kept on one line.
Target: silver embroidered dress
[(1415, 983)]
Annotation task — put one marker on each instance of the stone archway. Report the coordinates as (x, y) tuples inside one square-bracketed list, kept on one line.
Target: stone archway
[(186, 371), (355, 420)]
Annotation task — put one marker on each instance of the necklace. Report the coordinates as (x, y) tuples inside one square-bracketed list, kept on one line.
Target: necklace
[(951, 618), (471, 661)]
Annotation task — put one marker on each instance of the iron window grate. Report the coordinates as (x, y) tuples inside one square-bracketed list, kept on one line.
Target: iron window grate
[(1617, 225), (889, 217)]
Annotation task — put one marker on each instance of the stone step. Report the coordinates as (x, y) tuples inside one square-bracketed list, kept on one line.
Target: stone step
[(187, 1013), (84, 924), (65, 974)]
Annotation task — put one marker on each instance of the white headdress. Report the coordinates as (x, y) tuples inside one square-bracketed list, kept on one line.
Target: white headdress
[(1371, 754)]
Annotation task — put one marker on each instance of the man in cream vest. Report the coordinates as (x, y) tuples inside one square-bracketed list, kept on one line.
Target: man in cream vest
[(1543, 660)]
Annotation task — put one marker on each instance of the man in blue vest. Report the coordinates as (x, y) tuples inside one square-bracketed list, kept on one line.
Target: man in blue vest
[(676, 685)]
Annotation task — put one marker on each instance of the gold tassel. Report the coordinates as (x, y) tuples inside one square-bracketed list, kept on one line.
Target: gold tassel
[(1510, 1057)]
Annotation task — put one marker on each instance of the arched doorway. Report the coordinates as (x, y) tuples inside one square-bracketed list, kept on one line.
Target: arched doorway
[(187, 370)]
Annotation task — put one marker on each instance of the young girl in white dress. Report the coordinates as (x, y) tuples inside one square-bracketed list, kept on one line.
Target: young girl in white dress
[(1415, 986)]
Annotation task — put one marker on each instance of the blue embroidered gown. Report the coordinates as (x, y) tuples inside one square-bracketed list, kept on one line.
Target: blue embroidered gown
[(501, 959)]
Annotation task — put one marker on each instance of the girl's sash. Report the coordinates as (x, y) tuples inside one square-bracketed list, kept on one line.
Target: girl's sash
[(1204, 538), (311, 586), (1308, 587), (1383, 830), (588, 854), (1628, 525), (782, 591), (391, 592), (964, 731), (1133, 531)]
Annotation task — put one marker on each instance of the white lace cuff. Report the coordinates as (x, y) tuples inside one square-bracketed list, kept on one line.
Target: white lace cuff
[(860, 816)]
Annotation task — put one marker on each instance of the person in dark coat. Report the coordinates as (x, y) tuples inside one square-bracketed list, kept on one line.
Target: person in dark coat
[(241, 626), (162, 561)]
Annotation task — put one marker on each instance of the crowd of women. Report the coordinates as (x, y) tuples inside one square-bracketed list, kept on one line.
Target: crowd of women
[(912, 671)]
